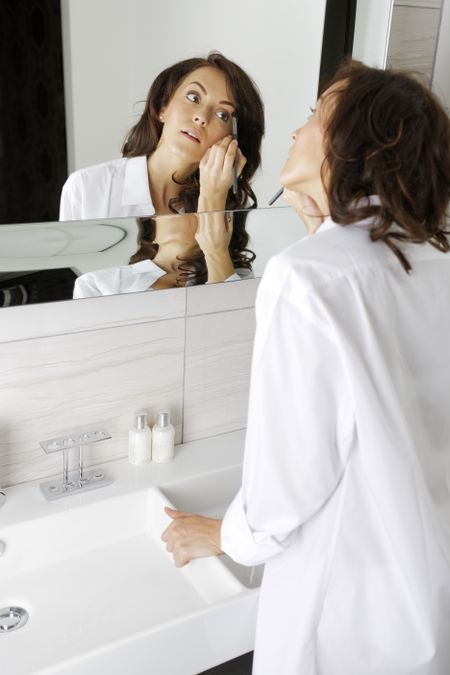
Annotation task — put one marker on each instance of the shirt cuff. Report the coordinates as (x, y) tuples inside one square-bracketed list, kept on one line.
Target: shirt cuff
[(241, 543)]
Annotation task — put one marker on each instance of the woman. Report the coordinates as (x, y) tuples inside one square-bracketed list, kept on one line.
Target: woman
[(180, 154), (177, 251), (179, 157), (346, 478)]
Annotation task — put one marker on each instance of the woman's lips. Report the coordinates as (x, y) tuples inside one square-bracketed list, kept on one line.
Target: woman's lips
[(191, 134)]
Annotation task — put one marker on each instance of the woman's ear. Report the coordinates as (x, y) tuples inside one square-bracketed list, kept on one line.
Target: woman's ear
[(161, 114)]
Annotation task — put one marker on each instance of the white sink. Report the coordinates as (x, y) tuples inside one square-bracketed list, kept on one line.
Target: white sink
[(102, 593), (209, 495)]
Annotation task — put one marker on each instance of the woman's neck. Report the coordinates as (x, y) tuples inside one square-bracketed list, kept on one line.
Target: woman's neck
[(175, 238), (317, 192), (161, 170)]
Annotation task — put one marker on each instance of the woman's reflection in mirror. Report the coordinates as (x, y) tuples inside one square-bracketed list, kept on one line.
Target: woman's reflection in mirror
[(179, 157), (181, 250)]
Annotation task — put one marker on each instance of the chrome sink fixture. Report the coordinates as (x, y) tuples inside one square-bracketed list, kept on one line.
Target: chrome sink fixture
[(2, 497), (54, 489), (12, 618)]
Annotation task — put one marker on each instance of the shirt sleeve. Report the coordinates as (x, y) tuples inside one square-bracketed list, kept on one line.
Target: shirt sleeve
[(300, 424), (86, 286), (99, 282), (70, 206)]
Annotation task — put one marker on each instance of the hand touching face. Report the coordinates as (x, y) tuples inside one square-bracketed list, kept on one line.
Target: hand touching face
[(216, 171)]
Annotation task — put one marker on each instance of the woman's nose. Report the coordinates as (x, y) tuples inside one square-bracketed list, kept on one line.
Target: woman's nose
[(200, 117)]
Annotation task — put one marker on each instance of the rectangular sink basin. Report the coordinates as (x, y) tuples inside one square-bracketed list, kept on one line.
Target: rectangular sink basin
[(96, 576), (209, 495)]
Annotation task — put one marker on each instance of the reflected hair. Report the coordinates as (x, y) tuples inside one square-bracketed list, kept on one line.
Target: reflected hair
[(193, 270), (143, 138), (388, 135)]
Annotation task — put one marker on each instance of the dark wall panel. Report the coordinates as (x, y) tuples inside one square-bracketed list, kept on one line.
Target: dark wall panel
[(33, 157)]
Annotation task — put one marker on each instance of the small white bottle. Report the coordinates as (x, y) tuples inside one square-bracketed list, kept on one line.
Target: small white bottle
[(140, 440), (163, 438)]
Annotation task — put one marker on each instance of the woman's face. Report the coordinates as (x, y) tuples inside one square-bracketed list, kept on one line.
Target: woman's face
[(303, 165), (198, 114), (302, 169)]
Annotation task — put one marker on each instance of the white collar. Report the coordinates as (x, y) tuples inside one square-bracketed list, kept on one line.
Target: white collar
[(372, 200), (135, 186), (146, 267)]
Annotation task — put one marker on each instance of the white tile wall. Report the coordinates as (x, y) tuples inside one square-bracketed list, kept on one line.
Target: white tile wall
[(197, 365), (412, 40), (209, 298), (217, 372), (97, 378), (435, 4)]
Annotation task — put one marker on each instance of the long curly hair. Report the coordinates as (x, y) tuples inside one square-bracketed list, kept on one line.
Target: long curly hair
[(387, 135)]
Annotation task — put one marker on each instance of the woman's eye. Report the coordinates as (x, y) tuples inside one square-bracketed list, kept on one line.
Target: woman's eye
[(193, 97), (223, 115)]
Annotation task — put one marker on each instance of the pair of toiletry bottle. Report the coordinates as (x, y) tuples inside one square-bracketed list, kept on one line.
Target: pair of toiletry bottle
[(157, 444)]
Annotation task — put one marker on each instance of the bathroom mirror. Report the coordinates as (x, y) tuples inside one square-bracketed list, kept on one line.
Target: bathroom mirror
[(49, 262), (114, 49)]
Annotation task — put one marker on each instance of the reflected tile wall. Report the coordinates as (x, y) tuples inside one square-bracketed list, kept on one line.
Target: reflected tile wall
[(98, 377)]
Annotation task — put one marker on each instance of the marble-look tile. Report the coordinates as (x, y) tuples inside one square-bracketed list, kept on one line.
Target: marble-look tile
[(217, 372), (213, 298), (434, 4), (412, 40), (70, 316), (95, 378)]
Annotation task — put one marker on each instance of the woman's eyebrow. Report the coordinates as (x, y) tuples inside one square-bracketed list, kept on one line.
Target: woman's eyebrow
[(205, 92)]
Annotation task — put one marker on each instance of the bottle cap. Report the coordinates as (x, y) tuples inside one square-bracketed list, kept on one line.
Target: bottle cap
[(163, 419), (140, 421)]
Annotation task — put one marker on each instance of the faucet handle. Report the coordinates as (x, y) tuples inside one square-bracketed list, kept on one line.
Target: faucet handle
[(74, 440), (2, 498)]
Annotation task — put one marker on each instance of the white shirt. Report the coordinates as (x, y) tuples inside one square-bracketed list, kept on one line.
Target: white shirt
[(345, 491), (133, 278), (113, 189)]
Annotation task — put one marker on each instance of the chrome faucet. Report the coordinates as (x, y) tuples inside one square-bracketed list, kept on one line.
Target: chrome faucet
[(2, 497), (53, 489)]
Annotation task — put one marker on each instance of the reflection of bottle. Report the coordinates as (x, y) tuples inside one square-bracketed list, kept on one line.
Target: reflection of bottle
[(163, 438), (140, 441)]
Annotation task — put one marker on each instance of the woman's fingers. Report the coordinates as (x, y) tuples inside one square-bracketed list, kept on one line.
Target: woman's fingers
[(242, 161), (174, 513), (190, 536)]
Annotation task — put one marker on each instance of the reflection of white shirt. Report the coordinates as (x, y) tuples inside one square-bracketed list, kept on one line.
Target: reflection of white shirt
[(110, 190), (346, 477), (129, 279)]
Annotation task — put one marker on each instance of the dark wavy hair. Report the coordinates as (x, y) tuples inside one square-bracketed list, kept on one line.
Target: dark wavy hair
[(193, 270), (144, 136), (386, 134)]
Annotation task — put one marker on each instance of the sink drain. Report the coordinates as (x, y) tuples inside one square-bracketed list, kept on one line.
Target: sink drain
[(12, 618)]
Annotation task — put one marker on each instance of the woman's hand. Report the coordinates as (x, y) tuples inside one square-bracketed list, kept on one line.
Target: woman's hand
[(306, 208), (216, 174), (213, 235), (189, 536)]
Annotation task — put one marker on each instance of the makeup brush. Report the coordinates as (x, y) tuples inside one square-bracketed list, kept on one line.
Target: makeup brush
[(235, 138), (276, 196)]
